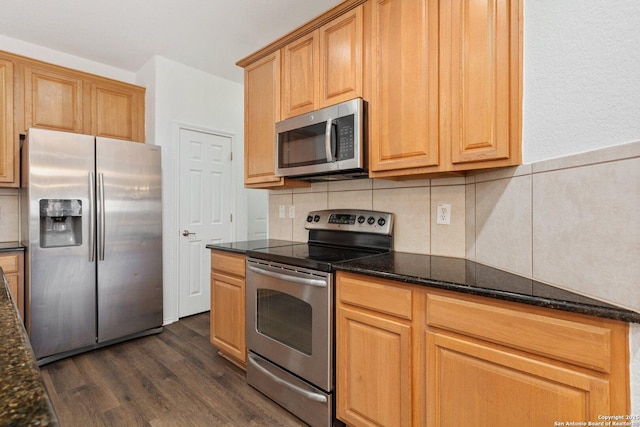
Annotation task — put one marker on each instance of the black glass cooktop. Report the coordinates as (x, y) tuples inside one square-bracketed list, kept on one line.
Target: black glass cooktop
[(313, 256)]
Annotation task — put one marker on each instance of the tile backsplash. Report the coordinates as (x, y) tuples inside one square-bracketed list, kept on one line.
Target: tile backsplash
[(9, 215), (572, 221)]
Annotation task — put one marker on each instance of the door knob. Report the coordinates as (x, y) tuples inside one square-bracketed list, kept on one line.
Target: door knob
[(186, 233)]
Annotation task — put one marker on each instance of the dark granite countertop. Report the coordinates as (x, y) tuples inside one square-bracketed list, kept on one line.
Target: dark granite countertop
[(249, 245), (23, 398), (461, 275), (11, 247)]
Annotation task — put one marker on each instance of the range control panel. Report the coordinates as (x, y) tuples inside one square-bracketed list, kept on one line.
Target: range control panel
[(350, 220)]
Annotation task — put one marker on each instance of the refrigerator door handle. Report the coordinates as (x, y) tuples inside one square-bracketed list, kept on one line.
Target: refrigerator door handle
[(101, 225), (92, 217)]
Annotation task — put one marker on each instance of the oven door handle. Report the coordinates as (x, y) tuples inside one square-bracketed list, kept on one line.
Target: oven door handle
[(306, 393), (298, 280)]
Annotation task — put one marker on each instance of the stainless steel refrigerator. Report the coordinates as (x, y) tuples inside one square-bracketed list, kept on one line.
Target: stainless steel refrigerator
[(91, 220)]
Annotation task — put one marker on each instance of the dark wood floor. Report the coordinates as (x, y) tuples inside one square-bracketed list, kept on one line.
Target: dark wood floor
[(174, 378)]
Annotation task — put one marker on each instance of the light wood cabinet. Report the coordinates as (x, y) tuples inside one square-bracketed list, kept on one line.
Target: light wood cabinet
[(447, 93), (41, 95), (53, 99), (481, 82), (261, 112), (324, 67), (117, 110), (9, 146), (12, 264), (404, 100), (373, 352), (454, 359), (227, 321)]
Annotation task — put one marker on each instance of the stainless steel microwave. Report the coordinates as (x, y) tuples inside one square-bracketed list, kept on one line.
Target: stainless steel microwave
[(326, 144)]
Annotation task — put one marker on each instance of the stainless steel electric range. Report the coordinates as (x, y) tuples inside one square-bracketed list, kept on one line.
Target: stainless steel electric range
[(290, 309)]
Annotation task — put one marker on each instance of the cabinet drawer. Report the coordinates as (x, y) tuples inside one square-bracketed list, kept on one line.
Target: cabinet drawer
[(9, 263), (228, 263), (375, 294), (587, 344)]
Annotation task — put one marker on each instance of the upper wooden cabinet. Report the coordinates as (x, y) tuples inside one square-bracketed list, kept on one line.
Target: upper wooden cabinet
[(324, 67), (447, 93), (52, 99), (40, 95), (261, 112), (403, 113), (481, 82), (117, 110), (8, 145)]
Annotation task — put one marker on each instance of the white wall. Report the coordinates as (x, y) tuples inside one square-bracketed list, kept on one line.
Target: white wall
[(64, 60), (581, 76), (177, 94)]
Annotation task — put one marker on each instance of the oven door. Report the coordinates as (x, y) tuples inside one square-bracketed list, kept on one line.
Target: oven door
[(289, 319)]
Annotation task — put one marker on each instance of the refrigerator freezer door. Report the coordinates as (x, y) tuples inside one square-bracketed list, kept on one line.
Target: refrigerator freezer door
[(61, 281), (129, 238)]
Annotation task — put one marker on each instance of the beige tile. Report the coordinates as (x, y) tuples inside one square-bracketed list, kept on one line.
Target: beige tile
[(350, 185), (501, 173), (586, 228), (304, 203), (316, 187), (454, 180), (349, 199), (615, 153), (410, 207), (387, 183), (280, 228), (9, 218), (503, 224), (470, 221), (448, 240)]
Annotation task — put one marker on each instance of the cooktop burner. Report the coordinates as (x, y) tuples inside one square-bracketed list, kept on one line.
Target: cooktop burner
[(335, 236)]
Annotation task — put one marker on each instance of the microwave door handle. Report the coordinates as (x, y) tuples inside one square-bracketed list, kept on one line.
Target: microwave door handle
[(327, 141)]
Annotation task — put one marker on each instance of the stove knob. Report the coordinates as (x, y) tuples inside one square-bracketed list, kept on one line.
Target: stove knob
[(381, 222), (360, 219), (316, 218), (309, 218), (371, 220)]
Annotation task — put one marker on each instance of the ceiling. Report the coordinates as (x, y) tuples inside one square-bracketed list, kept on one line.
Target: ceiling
[(210, 35)]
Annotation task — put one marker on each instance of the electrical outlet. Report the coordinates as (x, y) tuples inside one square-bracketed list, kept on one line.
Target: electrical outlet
[(281, 211), (444, 214), (292, 211)]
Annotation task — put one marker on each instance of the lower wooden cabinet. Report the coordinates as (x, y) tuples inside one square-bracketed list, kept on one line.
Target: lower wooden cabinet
[(12, 264), (227, 328), (411, 355)]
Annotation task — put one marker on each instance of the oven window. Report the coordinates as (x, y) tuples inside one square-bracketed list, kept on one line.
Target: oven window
[(302, 147), (285, 319)]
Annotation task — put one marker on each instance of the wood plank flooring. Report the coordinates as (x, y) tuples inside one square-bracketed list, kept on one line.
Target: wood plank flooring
[(175, 378)]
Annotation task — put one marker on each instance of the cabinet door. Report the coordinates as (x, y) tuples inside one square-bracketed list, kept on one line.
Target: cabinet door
[(53, 99), (341, 58), (373, 369), (117, 111), (12, 264), (228, 315), (8, 142), (300, 76), (480, 81), (261, 112), (471, 383), (404, 107)]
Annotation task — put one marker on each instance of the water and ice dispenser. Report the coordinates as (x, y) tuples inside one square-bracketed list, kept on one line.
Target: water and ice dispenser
[(60, 223)]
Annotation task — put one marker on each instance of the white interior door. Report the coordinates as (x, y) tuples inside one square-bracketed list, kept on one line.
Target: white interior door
[(205, 212)]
